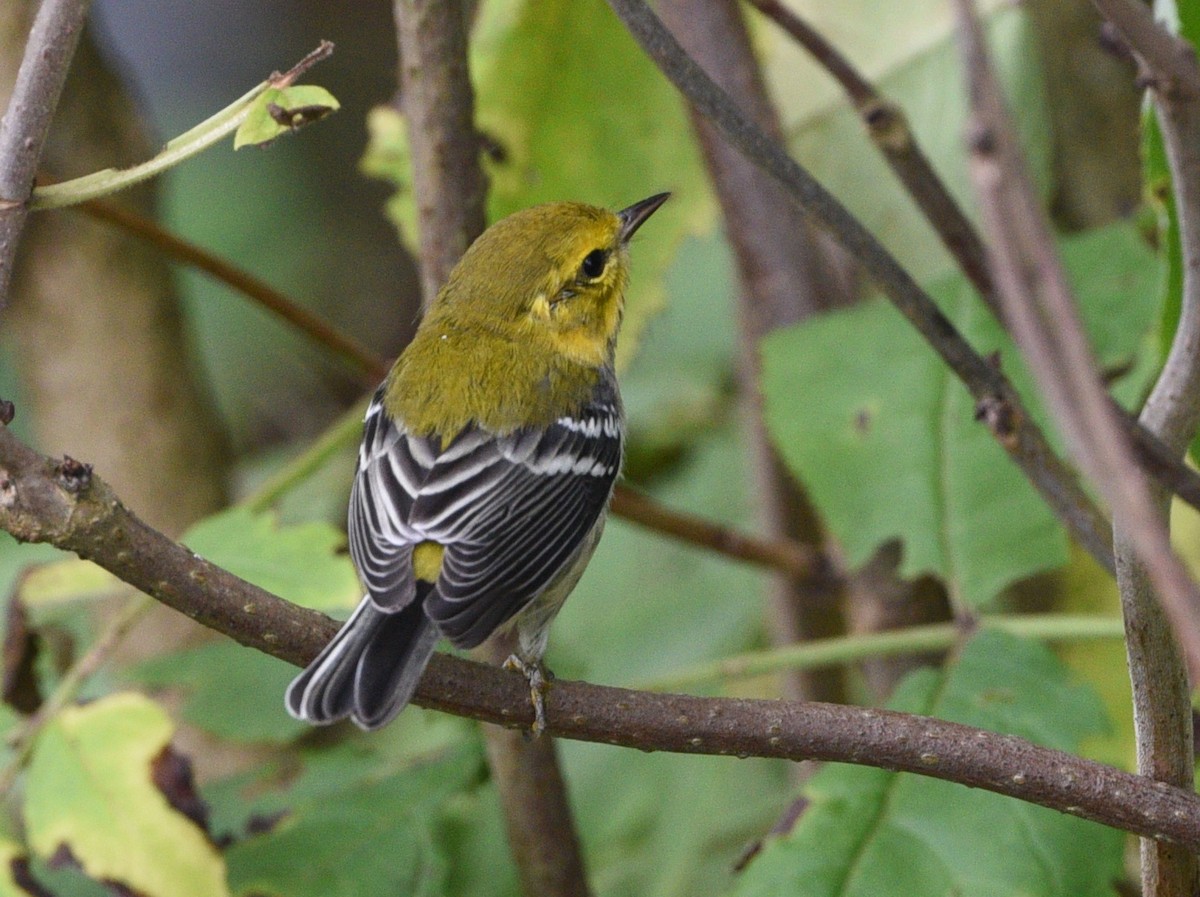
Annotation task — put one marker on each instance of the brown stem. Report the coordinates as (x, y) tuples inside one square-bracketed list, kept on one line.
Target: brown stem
[(64, 504), (1161, 694), (26, 124), (449, 188), (438, 105), (371, 366), (889, 130)]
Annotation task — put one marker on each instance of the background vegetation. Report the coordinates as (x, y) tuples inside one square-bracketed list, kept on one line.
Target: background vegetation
[(163, 762)]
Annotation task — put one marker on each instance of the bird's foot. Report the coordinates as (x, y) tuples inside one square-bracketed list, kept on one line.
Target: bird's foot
[(539, 679)]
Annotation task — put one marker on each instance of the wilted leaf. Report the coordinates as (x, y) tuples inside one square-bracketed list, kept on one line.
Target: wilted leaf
[(280, 110), (90, 790)]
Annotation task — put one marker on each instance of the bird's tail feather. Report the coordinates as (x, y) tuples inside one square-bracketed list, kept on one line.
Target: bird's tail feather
[(368, 671)]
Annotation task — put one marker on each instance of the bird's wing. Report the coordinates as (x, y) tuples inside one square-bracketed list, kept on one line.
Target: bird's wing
[(512, 511), (517, 517)]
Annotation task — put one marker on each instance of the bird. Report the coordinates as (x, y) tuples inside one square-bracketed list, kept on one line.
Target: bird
[(488, 459)]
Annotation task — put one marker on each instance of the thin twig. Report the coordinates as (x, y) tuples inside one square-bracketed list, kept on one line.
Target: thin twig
[(1041, 311), (889, 130), (47, 501), (1161, 693), (888, 126), (369, 365), (24, 127), (785, 555), (1016, 432)]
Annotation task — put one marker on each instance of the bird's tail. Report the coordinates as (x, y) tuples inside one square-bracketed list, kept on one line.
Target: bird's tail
[(369, 670)]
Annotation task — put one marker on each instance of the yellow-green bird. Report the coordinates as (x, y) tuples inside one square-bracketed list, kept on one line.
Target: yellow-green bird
[(487, 462)]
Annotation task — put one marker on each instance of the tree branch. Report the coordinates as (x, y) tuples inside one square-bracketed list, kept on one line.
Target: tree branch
[(888, 127), (1014, 429), (886, 124), (1161, 694), (1042, 313), (25, 125), (439, 106), (64, 504)]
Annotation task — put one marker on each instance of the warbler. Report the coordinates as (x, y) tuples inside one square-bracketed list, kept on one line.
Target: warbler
[(488, 459)]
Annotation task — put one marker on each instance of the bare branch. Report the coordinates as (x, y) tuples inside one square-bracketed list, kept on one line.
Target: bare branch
[(24, 127), (64, 504), (371, 366), (1019, 436), (888, 127), (1161, 693), (886, 124), (1041, 311)]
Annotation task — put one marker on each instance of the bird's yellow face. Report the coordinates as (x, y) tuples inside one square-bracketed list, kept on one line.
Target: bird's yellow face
[(581, 299)]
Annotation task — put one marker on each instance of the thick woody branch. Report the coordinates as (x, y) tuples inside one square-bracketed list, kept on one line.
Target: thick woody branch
[(63, 503), (25, 125)]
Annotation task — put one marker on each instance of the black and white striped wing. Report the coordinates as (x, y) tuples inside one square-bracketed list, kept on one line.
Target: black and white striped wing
[(532, 510), (512, 511)]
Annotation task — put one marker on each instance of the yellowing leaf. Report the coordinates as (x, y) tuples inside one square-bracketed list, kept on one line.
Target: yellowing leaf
[(70, 579), (10, 852), (90, 791)]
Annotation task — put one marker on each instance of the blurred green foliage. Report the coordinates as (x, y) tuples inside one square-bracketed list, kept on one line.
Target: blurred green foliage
[(864, 414)]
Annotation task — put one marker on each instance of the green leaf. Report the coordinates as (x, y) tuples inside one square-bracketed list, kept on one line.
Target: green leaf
[(278, 111), (884, 436), (90, 790), (302, 562), (871, 832), (367, 837), (230, 691)]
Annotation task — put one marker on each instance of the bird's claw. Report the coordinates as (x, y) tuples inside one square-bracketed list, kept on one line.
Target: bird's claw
[(539, 679)]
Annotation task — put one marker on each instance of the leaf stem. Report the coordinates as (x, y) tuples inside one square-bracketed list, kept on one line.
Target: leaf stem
[(864, 646), (190, 143)]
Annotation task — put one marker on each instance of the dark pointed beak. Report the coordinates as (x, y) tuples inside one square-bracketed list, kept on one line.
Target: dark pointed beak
[(632, 217)]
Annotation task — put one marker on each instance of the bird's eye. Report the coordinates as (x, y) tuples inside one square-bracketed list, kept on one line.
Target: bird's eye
[(593, 263)]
